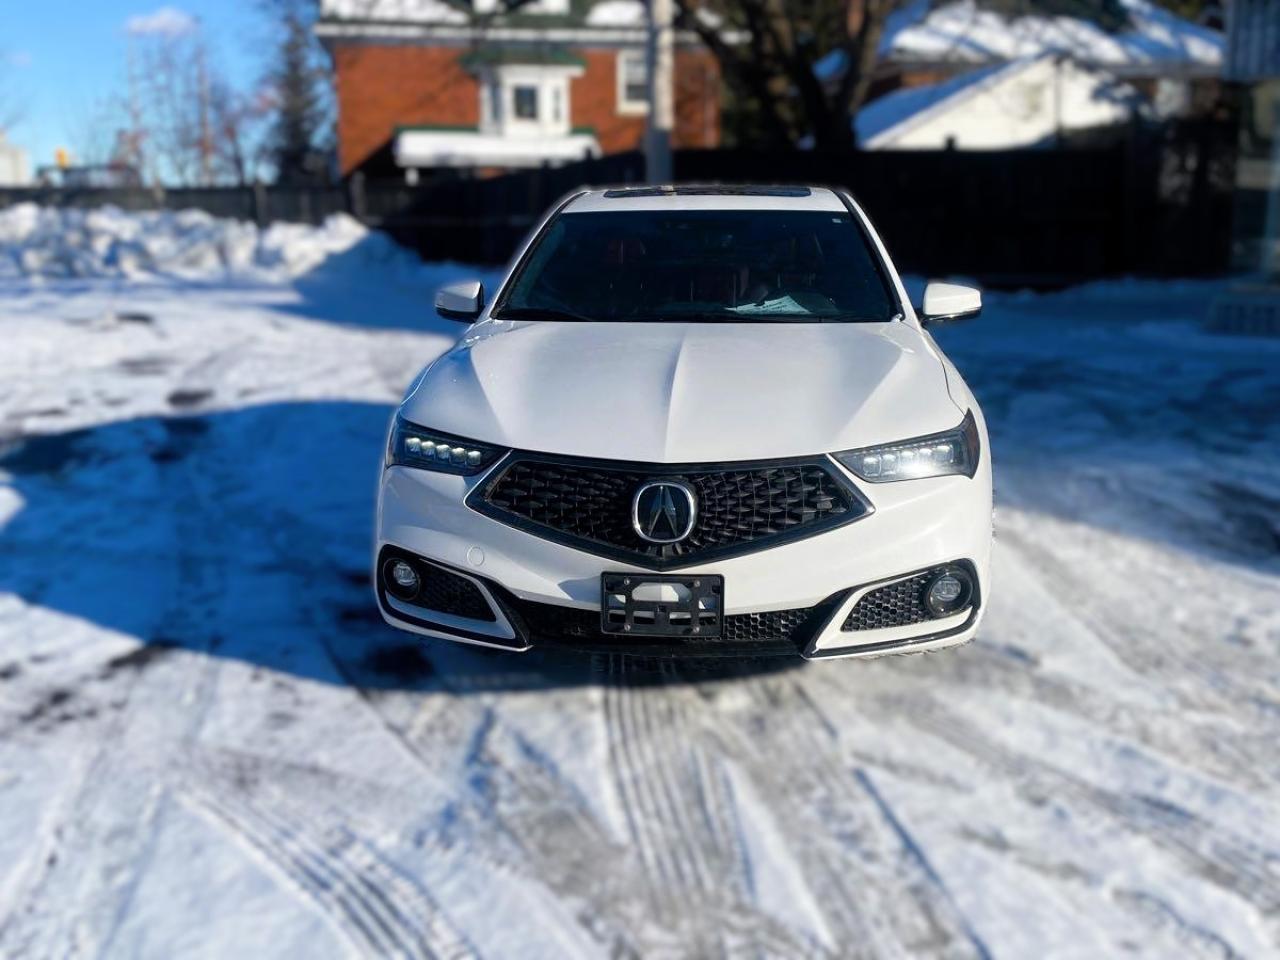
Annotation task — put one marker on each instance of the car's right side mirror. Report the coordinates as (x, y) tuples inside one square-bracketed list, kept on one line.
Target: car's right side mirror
[(949, 301), (461, 301)]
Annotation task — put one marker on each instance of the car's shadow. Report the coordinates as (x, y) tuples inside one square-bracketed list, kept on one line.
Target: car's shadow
[(245, 535)]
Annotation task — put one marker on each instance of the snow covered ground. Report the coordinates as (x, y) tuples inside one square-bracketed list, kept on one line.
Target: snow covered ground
[(210, 746)]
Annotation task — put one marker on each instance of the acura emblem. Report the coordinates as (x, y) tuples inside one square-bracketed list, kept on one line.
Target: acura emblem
[(664, 511)]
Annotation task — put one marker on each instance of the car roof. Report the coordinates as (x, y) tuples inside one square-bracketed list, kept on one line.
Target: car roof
[(709, 197)]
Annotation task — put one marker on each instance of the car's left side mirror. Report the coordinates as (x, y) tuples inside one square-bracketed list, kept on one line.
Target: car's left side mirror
[(461, 301), (949, 301)]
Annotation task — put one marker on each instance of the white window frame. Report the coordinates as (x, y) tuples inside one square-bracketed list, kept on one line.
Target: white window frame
[(627, 107), (552, 81)]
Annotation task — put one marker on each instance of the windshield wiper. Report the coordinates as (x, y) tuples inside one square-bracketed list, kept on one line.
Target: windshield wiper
[(540, 313)]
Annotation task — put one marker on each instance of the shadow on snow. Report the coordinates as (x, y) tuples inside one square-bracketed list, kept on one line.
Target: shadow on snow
[(247, 535)]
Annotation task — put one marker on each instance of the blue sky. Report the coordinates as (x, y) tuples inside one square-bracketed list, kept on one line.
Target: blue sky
[(63, 57)]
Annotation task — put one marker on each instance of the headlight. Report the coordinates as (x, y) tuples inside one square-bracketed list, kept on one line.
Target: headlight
[(414, 446), (937, 455)]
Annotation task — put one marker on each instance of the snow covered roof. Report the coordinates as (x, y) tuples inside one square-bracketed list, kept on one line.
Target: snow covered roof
[(1155, 42), (400, 11), (1003, 106), (964, 32), (451, 21), (884, 114), (603, 13)]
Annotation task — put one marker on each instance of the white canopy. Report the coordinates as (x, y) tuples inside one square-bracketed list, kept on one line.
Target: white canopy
[(466, 148)]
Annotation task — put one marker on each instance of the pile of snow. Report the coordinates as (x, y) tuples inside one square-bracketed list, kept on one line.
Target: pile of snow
[(52, 243)]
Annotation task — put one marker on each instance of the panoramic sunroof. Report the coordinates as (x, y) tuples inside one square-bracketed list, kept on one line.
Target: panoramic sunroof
[(710, 190)]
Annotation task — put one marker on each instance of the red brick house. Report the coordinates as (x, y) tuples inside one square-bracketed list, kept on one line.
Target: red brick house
[(432, 84)]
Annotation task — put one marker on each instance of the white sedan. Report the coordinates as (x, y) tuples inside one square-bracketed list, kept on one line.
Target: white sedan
[(692, 421)]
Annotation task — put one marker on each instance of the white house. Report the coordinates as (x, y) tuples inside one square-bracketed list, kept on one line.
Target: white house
[(15, 170), (1026, 102)]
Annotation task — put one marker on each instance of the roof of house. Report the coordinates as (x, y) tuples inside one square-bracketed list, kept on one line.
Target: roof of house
[(608, 22), (967, 32), (566, 13), (911, 105), (886, 120)]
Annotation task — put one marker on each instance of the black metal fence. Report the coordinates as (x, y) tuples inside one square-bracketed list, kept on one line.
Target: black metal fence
[(1157, 204)]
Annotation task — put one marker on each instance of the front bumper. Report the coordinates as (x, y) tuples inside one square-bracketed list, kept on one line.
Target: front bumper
[(548, 594)]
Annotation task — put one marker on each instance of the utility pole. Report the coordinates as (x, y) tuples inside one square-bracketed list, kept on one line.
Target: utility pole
[(660, 60)]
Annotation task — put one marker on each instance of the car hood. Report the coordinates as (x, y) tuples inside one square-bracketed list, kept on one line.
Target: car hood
[(686, 392)]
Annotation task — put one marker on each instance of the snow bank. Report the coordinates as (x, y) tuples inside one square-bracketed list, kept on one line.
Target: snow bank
[(51, 243)]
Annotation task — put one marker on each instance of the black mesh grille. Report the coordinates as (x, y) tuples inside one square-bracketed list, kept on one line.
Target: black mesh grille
[(739, 508), (774, 631), (772, 625), (895, 605), (447, 592)]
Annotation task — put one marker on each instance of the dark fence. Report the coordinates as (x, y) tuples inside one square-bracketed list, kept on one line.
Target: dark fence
[(258, 202), (1157, 203)]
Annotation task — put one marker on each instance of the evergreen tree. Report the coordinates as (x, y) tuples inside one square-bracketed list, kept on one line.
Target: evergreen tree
[(300, 138)]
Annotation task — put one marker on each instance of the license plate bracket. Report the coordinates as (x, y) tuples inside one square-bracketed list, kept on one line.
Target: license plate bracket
[(662, 605)]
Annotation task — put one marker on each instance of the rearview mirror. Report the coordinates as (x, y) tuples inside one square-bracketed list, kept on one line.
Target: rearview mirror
[(461, 301), (949, 301)]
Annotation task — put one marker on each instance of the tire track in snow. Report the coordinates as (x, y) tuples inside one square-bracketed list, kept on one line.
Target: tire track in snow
[(560, 842), (875, 884), (517, 811), (657, 772), (382, 910), (1223, 859), (682, 820), (1204, 677), (1188, 938)]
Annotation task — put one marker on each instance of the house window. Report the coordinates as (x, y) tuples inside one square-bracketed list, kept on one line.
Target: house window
[(526, 99), (633, 82), (526, 102)]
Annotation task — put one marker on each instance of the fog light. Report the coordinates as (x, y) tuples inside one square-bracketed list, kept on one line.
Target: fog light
[(948, 592), (402, 579)]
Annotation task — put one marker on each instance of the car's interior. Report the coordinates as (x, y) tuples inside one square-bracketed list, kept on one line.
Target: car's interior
[(705, 265)]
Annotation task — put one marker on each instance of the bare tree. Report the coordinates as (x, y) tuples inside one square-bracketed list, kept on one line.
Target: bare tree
[(96, 129), (168, 106), (769, 51), (239, 125)]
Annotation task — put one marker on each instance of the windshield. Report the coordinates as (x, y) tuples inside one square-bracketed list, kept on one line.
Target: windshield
[(706, 265)]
